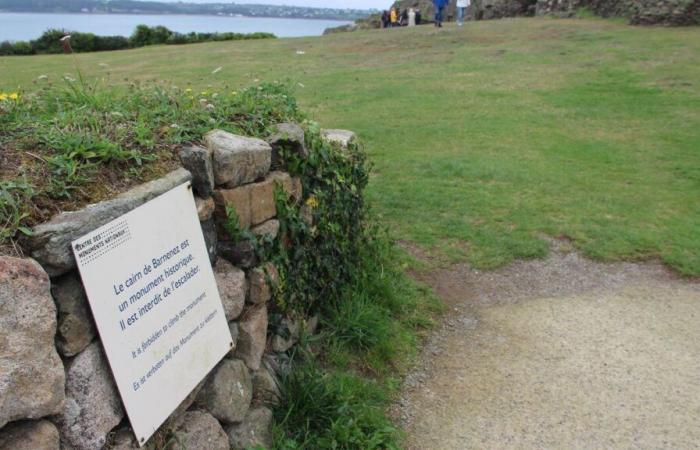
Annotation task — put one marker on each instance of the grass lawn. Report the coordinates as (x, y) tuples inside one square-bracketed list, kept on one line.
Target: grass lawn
[(484, 138)]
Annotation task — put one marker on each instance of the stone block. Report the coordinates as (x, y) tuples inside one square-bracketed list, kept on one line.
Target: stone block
[(254, 432), (201, 431), (269, 229), (265, 386), (238, 199), (262, 201), (286, 334), (241, 254), (76, 328), (32, 379), (297, 189), (50, 242), (343, 138), (227, 391), (286, 136), (198, 161), (233, 329), (211, 238), (232, 286), (252, 335), (205, 208), (93, 407), (30, 435), (237, 159), (262, 281)]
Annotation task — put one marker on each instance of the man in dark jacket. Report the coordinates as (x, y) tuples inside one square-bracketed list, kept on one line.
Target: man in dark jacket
[(439, 6)]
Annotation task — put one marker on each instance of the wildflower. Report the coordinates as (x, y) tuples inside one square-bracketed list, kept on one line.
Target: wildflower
[(188, 90), (175, 126), (210, 106), (214, 95), (312, 202), (204, 93), (234, 93), (217, 70), (301, 52), (3, 96), (42, 77)]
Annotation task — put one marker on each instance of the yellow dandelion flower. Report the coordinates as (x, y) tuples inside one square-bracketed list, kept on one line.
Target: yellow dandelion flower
[(3, 96), (312, 202), (14, 96)]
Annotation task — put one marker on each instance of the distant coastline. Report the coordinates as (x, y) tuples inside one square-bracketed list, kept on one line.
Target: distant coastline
[(130, 7), (226, 16), (26, 26)]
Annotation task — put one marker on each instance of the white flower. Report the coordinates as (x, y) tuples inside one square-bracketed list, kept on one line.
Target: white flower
[(301, 52), (217, 70), (210, 106), (174, 126)]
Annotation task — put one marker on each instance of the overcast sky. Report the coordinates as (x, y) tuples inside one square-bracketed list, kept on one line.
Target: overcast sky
[(360, 4)]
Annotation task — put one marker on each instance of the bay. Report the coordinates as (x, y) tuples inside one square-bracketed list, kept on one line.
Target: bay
[(27, 26)]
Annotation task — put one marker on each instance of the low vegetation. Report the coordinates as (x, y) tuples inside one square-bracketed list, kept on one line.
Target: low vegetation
[(488, 137), (78, 141), (51, 40)]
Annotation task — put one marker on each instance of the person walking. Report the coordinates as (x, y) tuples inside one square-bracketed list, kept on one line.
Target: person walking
[(462, 6), (411, 17), (394, 17), (439, 6), (385, 19)]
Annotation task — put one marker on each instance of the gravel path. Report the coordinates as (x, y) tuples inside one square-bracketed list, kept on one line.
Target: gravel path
[(559, 353)]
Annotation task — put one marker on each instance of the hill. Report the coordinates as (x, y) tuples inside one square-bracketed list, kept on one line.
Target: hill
[(484, 138)]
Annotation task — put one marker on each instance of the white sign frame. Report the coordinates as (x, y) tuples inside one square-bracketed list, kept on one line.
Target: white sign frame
[(159, 344)]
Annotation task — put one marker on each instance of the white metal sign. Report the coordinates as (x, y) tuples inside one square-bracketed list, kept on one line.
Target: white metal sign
[(155, 301)]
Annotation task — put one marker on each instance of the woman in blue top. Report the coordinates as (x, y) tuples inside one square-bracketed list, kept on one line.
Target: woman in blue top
[(439, 7)]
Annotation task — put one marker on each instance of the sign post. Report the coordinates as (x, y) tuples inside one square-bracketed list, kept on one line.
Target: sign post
[(153, 294)]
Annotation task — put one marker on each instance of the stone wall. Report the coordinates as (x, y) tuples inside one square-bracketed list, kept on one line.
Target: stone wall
[(56, 388), (639, 12)]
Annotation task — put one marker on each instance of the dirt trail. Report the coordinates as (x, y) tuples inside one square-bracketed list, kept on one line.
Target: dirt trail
[(561, 353)]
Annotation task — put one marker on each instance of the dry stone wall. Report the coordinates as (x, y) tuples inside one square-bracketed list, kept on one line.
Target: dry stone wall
[(56, 387)]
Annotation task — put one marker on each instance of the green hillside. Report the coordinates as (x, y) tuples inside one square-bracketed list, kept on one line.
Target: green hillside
[(487, 138)]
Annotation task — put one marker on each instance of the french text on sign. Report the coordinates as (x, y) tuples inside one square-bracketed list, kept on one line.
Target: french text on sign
[(153, 294)]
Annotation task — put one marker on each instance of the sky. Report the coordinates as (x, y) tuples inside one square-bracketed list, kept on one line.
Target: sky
[(359, 4)]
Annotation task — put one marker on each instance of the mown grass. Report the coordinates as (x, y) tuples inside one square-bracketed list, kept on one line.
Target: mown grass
[(484, 138)]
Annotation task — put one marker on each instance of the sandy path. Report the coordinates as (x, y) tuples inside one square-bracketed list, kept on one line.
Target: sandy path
[(562, 353)]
